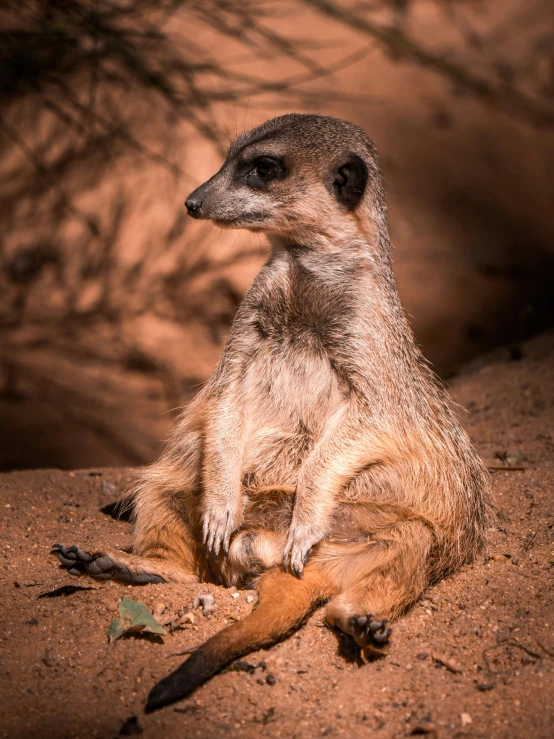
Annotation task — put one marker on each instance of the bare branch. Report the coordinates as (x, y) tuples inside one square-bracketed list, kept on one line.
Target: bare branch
[(503, 97)]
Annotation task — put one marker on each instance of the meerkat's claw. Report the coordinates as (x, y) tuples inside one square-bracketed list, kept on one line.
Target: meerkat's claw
[(294, 559), (297, 568), (298, 561), (369, 653), (71, 558), (289, 564), (216, 533), (213, 545), (300, 543)]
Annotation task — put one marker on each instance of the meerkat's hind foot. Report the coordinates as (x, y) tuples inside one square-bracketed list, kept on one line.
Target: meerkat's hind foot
[(101, 566), (371, 634), (370, 629)]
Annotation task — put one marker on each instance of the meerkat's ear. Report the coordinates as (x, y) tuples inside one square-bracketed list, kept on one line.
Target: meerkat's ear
[(350, 180)]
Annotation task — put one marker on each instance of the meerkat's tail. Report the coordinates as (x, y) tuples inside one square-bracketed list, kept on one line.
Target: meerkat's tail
[(284, 602)]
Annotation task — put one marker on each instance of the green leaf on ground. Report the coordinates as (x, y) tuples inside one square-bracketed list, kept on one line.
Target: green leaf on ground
[(516, 458), (511, 458), (134, 618)]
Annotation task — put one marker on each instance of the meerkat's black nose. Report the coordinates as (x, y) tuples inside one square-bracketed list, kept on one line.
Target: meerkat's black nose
[(193, 207)]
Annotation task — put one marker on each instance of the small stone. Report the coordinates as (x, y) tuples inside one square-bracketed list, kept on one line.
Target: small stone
[(108, 488), (249, 598), (465, 719), (422, 655), (271, 679), (207, 602), (186, 618), (234, 595)]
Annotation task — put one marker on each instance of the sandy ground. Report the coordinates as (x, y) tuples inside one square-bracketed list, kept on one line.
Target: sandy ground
[(475, 658)]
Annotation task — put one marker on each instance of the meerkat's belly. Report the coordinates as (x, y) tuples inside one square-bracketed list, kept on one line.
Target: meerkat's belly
[(288, 396)]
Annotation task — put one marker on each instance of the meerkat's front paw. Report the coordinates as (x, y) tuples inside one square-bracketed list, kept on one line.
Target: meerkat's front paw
[(217, 529), (300, 541)]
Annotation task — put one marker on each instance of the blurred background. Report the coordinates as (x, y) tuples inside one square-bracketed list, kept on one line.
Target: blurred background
[(114, 306)]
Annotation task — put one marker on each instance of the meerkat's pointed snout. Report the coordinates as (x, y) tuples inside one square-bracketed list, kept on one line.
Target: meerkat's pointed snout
[(194, 206)]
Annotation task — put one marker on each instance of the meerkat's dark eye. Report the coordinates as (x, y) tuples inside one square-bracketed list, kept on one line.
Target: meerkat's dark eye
[(263, 170), (265, 167)]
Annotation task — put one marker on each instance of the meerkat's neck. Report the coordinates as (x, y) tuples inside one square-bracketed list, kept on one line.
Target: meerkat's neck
[(356, 263), (345, 250)]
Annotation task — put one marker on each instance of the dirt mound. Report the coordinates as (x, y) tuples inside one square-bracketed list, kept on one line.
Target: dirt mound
[(475, 658)]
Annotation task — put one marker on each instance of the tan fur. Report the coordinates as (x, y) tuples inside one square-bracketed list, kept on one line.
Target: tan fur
[(322, 429)]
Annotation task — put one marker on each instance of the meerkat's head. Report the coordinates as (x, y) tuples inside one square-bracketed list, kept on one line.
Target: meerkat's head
[(292, 174)]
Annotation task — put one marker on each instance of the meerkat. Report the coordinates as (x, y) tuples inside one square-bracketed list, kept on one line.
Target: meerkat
[(323, 461)]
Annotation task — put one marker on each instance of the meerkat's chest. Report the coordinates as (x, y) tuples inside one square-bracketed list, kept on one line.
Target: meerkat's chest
[(304, 317), (290, 383), (289, 387)]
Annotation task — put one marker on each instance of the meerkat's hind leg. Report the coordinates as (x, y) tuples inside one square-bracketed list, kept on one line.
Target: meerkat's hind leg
[(163, 546), (381, 583), (114, 564)]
